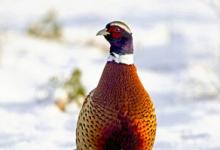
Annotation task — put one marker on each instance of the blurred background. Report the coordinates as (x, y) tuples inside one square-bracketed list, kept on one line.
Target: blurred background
[(50, 59)]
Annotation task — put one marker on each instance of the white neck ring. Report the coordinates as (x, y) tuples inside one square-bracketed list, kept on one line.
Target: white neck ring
[(127, 59)]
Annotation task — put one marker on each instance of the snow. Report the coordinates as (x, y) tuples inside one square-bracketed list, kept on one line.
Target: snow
[(176, 53)]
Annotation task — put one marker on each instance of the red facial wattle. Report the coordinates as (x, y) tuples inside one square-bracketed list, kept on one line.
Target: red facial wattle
[(115, 32), (116, 35)]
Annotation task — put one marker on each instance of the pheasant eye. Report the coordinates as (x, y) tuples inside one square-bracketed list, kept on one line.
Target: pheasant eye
[(117, 29)]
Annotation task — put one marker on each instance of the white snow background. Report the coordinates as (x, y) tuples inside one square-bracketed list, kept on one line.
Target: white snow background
[(176, 52)]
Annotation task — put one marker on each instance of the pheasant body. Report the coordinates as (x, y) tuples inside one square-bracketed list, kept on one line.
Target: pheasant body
[(118, 114)]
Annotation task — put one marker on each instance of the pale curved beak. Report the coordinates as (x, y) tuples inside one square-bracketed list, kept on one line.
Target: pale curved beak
[(103, 32)]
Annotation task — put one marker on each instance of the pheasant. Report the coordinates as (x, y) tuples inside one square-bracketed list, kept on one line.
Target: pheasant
[(118, 114)]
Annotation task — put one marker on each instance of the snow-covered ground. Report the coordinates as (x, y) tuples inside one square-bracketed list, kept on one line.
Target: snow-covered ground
[(177, 57)]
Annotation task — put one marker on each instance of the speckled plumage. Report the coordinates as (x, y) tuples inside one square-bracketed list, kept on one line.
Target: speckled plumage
[(118, 114)]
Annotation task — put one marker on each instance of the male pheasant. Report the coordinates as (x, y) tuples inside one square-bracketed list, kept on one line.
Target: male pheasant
[(118, 114)]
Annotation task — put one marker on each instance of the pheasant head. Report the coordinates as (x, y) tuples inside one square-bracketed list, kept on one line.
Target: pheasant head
[(119, 35)]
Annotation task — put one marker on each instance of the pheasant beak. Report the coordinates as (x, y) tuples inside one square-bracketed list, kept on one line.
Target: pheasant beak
[(103, 32)]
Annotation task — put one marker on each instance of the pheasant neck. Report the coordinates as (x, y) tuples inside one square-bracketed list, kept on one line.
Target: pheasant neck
[(123, 46), (118, 85), (127, 59)]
